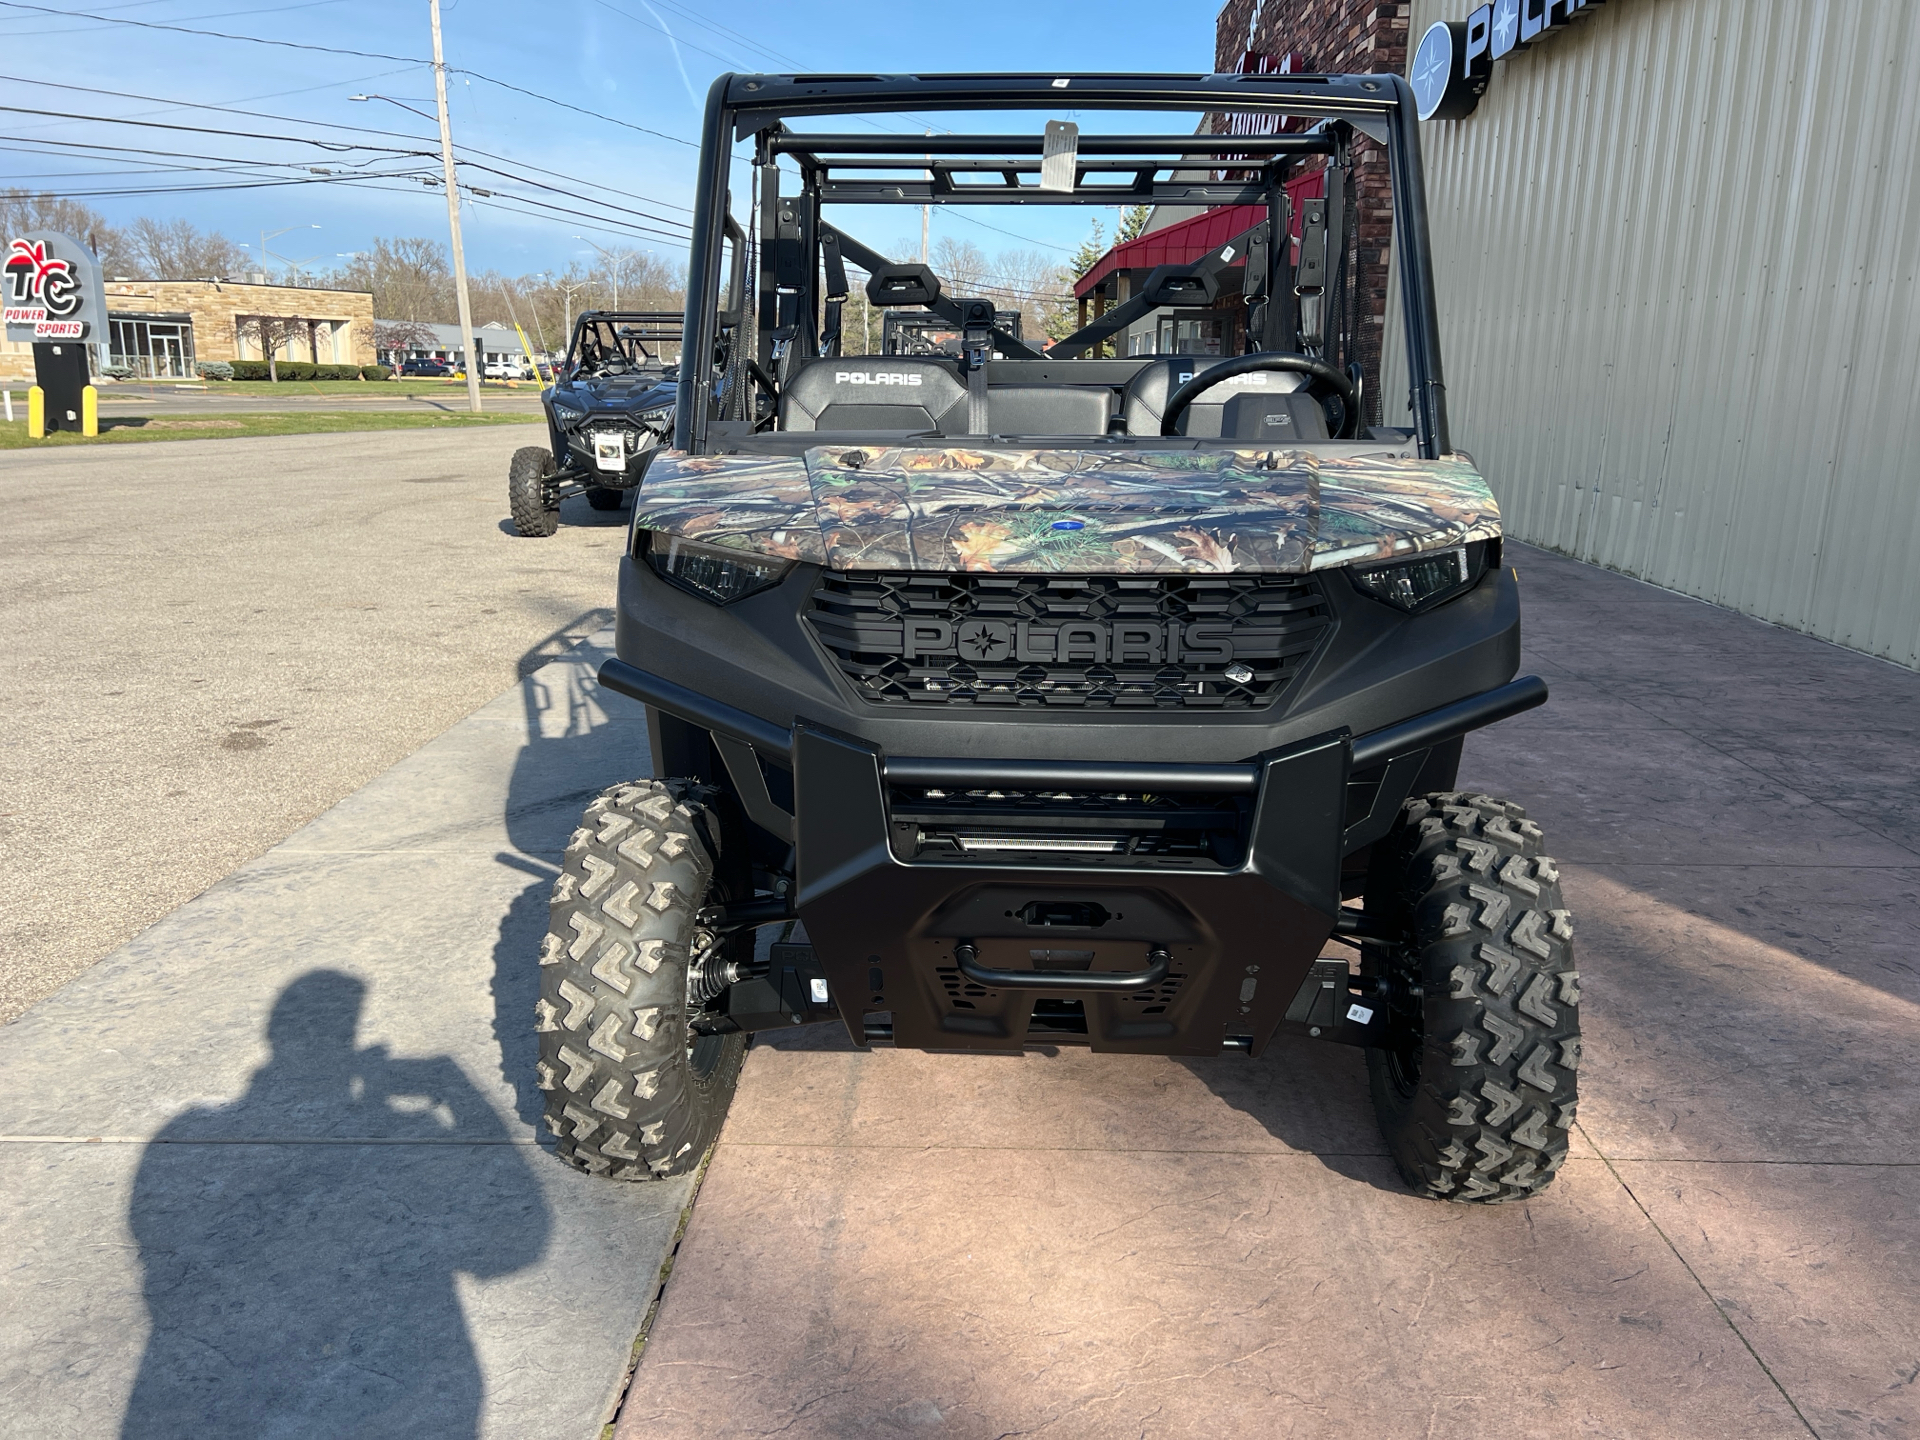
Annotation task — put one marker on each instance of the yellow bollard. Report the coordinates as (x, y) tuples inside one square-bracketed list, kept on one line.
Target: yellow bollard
[(36, 413), (89, 410)]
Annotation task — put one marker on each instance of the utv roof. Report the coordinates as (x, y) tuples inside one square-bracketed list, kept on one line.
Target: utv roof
[(759, 100)]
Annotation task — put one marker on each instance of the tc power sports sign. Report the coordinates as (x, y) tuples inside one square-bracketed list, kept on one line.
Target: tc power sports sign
[(1454, 60), (53, 290)]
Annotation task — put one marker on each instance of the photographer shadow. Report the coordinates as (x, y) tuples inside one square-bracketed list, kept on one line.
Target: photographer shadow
[(300, 1246)]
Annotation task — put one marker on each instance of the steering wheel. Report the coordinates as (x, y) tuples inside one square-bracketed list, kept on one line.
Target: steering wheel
[(1328, 378)]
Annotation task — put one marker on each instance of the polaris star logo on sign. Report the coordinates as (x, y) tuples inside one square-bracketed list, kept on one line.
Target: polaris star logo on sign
[(52, 289), (855, 377), (1454, 59)]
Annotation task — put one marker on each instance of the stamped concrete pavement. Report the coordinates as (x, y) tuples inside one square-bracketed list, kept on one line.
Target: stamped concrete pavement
[(1079, 1245), (272, 1167)]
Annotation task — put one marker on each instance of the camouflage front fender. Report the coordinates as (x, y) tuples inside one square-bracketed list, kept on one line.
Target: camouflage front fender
[(1029, 511)]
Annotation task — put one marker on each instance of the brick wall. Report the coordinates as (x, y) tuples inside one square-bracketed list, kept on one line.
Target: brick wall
[(1338, 37), (216, 305)]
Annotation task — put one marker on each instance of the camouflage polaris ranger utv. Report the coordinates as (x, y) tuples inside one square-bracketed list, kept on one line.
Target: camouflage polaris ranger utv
[(1086, 695)]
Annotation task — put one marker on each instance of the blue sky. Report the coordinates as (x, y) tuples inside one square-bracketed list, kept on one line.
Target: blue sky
[(645, 62)]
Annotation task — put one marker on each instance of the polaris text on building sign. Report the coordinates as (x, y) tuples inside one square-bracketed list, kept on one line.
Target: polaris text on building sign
[(1455, 58), (53, 290)]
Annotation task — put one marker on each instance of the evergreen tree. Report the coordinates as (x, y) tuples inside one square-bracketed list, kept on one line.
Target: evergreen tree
[(1090, 251)]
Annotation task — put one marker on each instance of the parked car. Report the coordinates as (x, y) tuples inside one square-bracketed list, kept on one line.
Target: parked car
[(427, 366), (506, 370)]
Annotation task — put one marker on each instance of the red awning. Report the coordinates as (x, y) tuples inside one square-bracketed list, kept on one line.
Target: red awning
[(1186, 242)]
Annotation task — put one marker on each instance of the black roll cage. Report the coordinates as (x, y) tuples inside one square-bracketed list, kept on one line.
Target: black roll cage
[(633, 332), (793, 243)]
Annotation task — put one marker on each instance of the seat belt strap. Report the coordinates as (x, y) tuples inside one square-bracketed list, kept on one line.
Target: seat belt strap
[(977, 400), (836, 268)]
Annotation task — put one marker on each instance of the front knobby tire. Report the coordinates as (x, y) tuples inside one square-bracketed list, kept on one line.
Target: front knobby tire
[(1476, 1104), (531, 492), (632, 1093)]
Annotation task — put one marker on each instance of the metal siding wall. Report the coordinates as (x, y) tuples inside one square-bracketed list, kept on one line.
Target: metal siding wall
[(1676, 251)]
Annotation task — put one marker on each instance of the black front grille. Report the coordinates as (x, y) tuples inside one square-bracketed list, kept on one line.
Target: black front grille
[(1223, 642)]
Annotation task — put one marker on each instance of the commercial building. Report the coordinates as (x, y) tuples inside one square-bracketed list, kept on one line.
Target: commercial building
[(1677, 253), (423, 340), (162, 328)]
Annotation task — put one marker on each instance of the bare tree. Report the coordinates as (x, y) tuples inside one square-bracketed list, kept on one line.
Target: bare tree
[(21, 210), (396, 337), (180, 250), (961, 265), (1039, 288), (270, 332), (408, 275)]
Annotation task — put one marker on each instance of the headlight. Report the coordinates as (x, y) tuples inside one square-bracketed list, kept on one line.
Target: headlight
[(658, 418), (1426, 580), (566, 414), (713, 572)]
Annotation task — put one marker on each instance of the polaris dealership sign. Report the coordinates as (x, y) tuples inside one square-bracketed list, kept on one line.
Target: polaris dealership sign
[(1455, 58)]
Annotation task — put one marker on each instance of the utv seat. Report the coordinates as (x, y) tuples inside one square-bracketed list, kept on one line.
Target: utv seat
[(1266, 407), (889, 393), (1049, 410)]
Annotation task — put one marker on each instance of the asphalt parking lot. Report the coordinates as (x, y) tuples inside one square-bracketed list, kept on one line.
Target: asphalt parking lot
[(209, 642), (274, 1165)]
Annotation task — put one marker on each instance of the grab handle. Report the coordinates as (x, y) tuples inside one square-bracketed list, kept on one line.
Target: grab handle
[(1118, 981)]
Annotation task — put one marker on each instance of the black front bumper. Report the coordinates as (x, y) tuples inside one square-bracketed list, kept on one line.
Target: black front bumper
[(897, 936), (903, 930)]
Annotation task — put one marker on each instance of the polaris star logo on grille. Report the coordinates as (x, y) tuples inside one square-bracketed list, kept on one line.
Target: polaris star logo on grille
[(884, 377)]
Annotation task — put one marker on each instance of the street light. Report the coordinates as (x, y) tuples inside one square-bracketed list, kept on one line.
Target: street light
[(266, 254), (391, 101), (614, 259)]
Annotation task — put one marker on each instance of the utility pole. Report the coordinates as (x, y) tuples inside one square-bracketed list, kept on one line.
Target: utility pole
[(472, 366), (926, 216)]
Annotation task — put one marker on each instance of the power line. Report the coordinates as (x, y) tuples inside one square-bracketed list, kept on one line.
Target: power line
[(334, 147), (200, 105), (329, 124), (593, 114), (1047, 244), (217, 15), (336, 50), (212, 34)]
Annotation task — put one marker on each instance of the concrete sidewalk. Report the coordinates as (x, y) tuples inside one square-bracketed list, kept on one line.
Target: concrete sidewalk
[(1079, 1245), (271, 1168)]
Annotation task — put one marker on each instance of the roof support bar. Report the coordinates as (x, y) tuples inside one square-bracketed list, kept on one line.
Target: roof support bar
[(1123, 315), (873, 261)]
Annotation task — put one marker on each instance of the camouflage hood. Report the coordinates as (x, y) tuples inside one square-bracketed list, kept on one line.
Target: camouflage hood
[(1023, 511)]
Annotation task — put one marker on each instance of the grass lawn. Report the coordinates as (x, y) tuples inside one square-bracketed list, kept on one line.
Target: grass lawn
[(115, 430), (362, 389)]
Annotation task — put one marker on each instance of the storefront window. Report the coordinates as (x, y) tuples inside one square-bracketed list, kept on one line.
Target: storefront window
[(156, 349), (1192, 335)]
